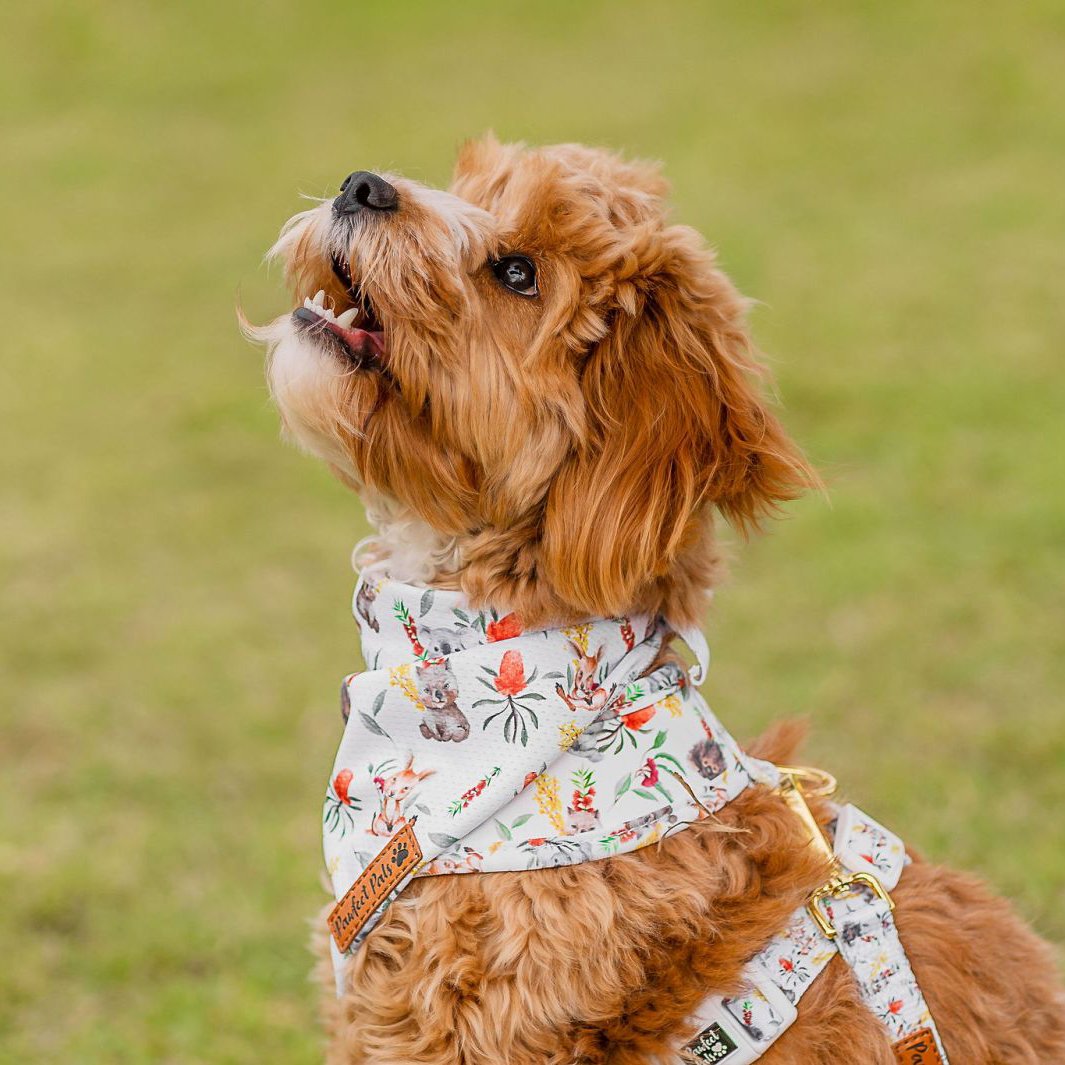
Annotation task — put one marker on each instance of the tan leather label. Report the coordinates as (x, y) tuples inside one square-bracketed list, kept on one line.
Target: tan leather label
[(400, 857), (919, 1048)]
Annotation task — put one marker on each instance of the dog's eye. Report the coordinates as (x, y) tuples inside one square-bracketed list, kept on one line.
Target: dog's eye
[(517, 273)]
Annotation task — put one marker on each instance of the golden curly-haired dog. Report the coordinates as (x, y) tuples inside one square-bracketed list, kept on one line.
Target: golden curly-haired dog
[(543, 391)]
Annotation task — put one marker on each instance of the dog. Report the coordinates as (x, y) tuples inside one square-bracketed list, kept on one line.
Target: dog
[(550, 387)]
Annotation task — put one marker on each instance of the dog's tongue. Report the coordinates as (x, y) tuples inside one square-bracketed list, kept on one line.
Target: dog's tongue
[(361, 341)]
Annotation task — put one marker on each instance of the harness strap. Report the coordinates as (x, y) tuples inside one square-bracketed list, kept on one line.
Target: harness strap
[(869, 943), (738, 1029)]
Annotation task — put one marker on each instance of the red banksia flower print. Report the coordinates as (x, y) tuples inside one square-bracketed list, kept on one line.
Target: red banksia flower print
[(638, 718), (511, 679), (340, 804), (340, 785), (513, 685), (505, 628)]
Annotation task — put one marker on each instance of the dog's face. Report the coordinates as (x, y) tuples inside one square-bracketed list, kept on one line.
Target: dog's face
[(539, 367)]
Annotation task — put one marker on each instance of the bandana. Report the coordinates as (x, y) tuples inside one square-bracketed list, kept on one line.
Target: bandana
[(473, 745)]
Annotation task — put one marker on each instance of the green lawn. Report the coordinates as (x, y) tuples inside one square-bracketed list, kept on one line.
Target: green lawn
[(885, 178)]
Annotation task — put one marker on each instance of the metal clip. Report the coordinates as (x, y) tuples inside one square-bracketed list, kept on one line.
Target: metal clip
[(794, 794), (815, 783), (793, 789)]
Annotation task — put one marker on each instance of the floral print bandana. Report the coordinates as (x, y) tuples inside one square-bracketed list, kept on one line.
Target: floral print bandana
[(500, 748)]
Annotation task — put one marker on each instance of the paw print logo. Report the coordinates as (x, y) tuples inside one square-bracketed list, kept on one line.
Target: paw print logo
[(400, 853)]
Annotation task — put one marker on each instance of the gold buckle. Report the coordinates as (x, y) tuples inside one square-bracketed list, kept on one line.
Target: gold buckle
[(837, 886), (796, 783)]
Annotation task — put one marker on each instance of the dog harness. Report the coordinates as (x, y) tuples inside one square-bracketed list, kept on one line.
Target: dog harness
[(473, 745), (851, 915)]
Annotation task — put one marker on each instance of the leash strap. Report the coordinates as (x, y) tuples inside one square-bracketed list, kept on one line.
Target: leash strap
[(738, 1029)]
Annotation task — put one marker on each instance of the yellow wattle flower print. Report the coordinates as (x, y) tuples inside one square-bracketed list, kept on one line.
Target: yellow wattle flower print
[(401, 677), (568, 732), (549, 803), (579, 635)]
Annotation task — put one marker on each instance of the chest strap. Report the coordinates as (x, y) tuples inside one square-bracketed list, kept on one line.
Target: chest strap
[(851, 915)]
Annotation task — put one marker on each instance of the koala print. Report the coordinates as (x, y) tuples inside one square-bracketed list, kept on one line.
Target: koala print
[(442, 642)]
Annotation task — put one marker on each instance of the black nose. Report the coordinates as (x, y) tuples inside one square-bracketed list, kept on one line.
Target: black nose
[(363, 189)]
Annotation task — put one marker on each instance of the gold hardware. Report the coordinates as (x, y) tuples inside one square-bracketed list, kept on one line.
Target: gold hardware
[(794, 794), (837, 886), (796, 784), (815, 783)]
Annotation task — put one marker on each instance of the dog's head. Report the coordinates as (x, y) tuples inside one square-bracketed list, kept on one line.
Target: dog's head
[(537, 366)]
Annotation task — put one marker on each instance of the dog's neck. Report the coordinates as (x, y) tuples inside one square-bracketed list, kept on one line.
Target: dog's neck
[(408, 547), (410, 550)]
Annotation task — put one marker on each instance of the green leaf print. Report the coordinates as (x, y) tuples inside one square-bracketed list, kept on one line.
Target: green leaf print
[(372, 725)]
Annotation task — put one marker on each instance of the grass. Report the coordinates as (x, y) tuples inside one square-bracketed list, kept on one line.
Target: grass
[(885, 178)]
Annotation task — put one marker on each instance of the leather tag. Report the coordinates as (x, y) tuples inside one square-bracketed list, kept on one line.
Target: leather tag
[(388, 868), (918, 1048), (712, 1045)]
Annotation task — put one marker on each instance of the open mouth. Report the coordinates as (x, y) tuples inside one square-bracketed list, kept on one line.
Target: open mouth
[(355, 334)]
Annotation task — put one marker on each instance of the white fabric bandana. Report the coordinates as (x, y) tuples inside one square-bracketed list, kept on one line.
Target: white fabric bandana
[(502, 749)]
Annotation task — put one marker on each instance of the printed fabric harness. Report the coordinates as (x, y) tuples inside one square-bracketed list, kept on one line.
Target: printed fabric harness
[(472, 745)]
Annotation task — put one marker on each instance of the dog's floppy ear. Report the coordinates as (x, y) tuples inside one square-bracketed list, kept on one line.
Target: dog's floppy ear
[(677, 425)]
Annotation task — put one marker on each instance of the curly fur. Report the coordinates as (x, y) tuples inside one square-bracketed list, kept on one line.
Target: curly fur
[(565, 456)]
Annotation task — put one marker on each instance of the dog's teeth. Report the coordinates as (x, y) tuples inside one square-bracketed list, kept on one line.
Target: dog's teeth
[(347, 317), (307, 303), (319, 297)]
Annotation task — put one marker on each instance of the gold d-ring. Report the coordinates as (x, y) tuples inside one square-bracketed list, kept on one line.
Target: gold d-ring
[(814, 783)]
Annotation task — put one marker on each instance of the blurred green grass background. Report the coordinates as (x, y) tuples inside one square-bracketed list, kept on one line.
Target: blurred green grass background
[(886, 179)]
